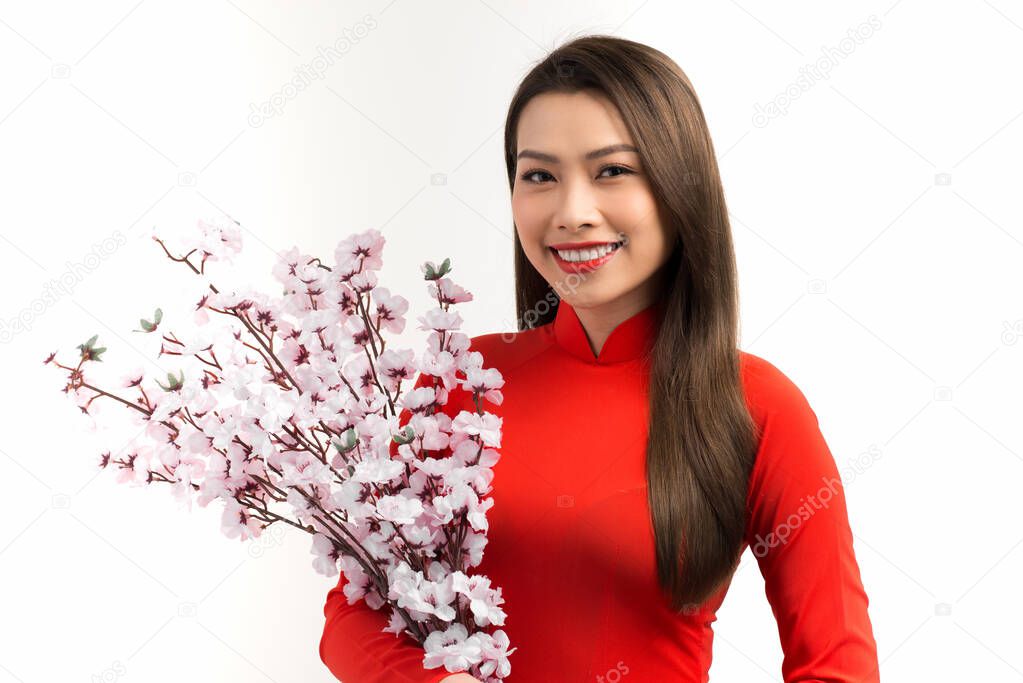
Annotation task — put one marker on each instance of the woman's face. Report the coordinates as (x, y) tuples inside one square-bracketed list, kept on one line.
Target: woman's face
[(579, 181)]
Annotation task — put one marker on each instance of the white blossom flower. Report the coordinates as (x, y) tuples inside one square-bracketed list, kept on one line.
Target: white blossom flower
[(377, 470), (326, 554), (272, 407), (356, 579), (483, 600), (238, 523), (399, 509), (440, 320), (274, 388), (485, 382), (447, 291), (486, 426), (495, 654), (361, 251), (389, 310), (452, 649)]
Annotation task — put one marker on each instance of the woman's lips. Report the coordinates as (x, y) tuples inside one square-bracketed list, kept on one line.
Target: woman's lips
[(583, 266)]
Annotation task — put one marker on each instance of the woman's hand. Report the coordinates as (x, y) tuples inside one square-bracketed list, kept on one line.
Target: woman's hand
[(460, 678)]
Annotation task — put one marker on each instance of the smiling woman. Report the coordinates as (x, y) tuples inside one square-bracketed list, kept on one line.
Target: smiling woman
[(585, 213), (642, 452)]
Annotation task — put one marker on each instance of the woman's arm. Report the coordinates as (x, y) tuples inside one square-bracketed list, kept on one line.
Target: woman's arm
[(354, 645), (799, 532), (356, 649)]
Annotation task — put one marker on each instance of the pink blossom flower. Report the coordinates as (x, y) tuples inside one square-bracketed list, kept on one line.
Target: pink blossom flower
[(300, 394), (356, 579), (326, 554), (411, 590), (237, 522), (495, 654), (377, 470), (446, 291), (132, 378), (487, 427), (390, 309), (437, 319), (219, 240), (394, 367), (485, 382), (452, 649), (399, 509), (483, 601), (304, 470), (362, 251)]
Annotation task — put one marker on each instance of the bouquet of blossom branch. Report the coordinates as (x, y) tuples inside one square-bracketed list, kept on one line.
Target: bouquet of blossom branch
[(286, 409)]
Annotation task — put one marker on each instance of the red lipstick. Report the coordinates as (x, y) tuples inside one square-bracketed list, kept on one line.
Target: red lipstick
[(582, 245), (583, 266)]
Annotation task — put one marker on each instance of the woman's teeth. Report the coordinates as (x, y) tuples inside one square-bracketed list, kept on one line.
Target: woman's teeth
[(577, 255)]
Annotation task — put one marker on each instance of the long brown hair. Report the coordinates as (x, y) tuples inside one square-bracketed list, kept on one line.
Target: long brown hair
[(702, 439)]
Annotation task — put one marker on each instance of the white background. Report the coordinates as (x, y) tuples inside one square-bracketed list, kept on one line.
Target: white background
[(877, 227)]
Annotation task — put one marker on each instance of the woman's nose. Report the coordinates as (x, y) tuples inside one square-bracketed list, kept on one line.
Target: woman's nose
[(577, 206)]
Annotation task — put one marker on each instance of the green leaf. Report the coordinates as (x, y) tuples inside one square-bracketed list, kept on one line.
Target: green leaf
[(347, 441), (406, 435), (88, 351), (173, 383), (151, 326)]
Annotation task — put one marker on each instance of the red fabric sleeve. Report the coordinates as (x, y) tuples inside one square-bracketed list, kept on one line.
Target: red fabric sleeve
[(356, 649), (354, 646), (799, 532)]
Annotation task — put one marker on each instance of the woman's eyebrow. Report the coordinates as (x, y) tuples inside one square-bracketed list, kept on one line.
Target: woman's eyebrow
[(603, 151)]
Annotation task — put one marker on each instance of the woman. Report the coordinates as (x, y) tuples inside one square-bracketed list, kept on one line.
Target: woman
[(642, 451)]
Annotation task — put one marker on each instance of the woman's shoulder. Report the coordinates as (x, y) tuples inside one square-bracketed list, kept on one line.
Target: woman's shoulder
[(769, 391), (508, 350)]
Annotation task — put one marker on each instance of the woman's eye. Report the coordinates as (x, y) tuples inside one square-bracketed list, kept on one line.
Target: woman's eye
[(623, 170), (528, 176)]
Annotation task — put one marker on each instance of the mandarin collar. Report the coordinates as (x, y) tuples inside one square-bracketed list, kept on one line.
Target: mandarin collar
[(630, 340)]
